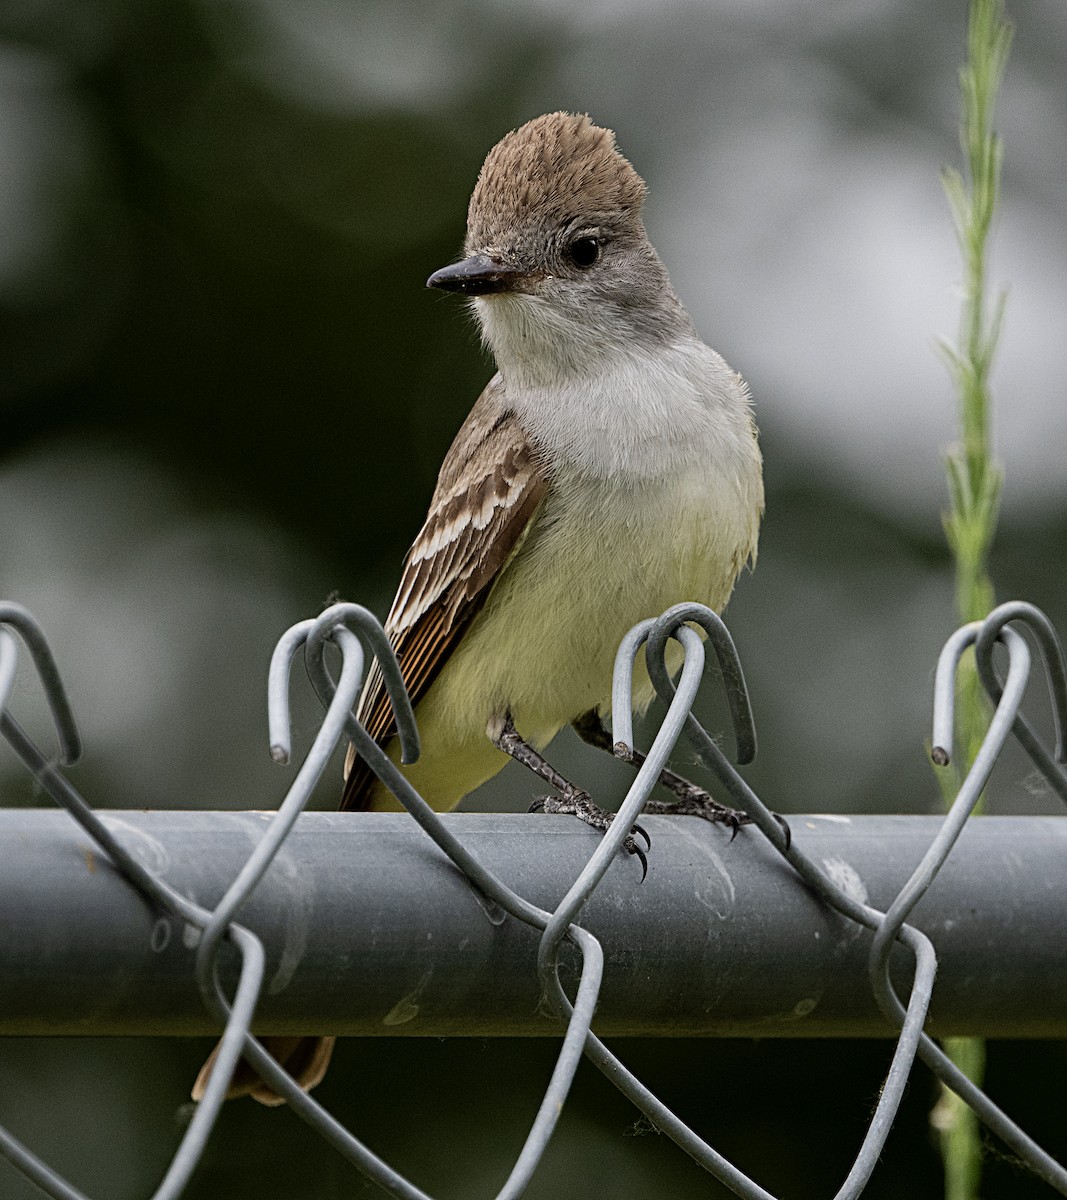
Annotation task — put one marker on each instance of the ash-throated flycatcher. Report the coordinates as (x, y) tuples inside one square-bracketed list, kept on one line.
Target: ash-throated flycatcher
[(609, 470)]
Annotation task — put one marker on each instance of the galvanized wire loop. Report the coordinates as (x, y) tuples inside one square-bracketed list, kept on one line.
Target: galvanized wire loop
[(157, 893), (733, 677), (657, 632), (671, 624), (622, 682), (365, 622), (282, 822), (279, 724), (1055, 676), (605, 854), (1052, 659), (25, 624), (999, 730), (948, 661), (1005, 720), (893, 1089), (984, 635), (510, 902), (9, 662)]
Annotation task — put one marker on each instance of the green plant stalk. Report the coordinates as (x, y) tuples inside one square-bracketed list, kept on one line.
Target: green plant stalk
[(974, 480), (956, 1124)]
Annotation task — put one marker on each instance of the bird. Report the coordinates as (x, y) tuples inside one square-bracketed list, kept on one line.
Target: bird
[(611, 468)]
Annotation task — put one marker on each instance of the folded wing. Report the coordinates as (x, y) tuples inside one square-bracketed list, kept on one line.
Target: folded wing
[(490, 485)]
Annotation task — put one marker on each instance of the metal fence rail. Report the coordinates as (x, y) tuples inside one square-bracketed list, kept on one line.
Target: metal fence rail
[(369, 931), (571, 987)]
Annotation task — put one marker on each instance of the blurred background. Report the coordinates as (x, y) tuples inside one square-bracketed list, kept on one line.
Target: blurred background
[(225, 393)]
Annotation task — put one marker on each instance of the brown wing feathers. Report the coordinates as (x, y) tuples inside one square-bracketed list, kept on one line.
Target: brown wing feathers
[(489, 487)]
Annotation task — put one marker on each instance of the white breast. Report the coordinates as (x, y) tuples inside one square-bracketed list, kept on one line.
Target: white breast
[(655, 498)]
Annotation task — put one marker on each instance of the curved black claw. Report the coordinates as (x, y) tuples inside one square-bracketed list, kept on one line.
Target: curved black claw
[(633, 848), (735, 819), (644, 833), (578, 804)]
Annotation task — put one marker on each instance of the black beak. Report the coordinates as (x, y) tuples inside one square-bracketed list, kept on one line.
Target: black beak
[(478, 275)]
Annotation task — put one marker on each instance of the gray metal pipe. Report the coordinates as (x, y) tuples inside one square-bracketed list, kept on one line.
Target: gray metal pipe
[(371, 931)]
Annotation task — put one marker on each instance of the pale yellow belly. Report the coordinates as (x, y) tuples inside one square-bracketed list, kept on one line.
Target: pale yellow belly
[(544, 646)]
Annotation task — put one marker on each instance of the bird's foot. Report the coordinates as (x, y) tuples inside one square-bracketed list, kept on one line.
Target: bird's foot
[(695, 802), (577, 803)]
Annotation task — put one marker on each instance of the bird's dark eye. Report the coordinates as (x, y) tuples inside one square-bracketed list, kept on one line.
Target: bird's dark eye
[(584, 251)]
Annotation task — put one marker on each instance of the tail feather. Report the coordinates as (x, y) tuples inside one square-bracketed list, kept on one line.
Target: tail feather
[(305, 1058)]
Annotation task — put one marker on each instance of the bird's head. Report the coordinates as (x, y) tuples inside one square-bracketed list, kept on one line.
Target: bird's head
[(556, 255)]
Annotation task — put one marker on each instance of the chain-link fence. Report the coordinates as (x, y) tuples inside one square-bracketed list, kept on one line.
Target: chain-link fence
[(564, 925)]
